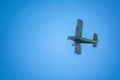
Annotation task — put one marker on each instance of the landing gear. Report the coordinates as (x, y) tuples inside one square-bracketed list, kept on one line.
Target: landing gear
[(72, 44)]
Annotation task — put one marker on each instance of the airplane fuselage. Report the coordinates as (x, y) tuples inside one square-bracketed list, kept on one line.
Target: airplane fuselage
[(82, 40)]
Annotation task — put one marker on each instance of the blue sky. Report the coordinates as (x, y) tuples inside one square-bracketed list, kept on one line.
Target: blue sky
[(34, 45)]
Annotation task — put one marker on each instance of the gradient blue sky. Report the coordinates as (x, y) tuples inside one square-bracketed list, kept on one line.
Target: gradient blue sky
[(34, 45)]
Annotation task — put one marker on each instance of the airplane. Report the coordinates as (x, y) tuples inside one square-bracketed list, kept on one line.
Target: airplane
[(78, 39)]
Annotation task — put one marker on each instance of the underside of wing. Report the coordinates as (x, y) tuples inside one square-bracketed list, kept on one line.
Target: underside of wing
[(79, 28), (77, 48)]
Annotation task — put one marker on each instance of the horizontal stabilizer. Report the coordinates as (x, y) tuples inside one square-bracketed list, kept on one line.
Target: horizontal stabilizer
[(95, 38)]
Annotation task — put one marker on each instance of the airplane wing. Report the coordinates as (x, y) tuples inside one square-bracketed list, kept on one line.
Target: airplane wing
[(77, 48), (79, 28)]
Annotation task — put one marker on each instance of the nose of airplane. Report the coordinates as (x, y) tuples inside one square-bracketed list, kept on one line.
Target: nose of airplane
[(68, 38)]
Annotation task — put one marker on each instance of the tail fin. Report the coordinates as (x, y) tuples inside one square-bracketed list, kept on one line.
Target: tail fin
[(95, 37)]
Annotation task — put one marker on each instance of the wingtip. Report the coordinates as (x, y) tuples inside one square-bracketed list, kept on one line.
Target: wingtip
[(79, 20), (78, 53)]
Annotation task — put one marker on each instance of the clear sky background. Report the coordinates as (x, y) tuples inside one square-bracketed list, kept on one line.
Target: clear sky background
[(34, 45)]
